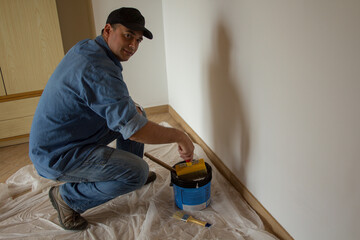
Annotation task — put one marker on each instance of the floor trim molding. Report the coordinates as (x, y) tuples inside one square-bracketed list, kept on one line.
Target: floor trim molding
[(271, 224), (157, 109)]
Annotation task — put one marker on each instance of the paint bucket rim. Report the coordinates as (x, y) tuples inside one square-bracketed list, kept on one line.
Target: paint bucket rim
[(192, 183)]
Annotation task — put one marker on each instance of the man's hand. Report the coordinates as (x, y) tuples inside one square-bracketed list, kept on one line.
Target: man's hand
[(139, 109), (153, 133), (186, 148)]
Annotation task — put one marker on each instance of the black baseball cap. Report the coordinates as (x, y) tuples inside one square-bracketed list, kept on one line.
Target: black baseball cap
[(130, 18)]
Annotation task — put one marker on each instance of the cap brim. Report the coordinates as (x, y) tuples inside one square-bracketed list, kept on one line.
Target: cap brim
[(147, 34), (136, 27)]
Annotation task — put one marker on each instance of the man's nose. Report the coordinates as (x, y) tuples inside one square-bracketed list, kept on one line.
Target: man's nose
[(133, 44)]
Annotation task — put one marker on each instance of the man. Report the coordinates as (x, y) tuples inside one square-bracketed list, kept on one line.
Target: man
[(85, 106)]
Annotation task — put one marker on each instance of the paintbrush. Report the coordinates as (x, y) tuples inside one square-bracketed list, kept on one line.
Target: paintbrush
[(187, 218), (189, 172), (158, 161)]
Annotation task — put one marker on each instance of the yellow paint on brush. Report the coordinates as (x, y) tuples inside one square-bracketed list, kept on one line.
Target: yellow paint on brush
[(196, 166)]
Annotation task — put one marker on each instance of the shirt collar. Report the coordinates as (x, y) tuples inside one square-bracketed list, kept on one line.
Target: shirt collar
[(100, 41)]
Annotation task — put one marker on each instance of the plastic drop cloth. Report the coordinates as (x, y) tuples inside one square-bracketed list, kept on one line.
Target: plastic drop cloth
[(26, 212)]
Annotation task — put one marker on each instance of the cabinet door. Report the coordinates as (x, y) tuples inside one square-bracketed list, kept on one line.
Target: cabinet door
[(2, 89), (30, 43), (16, 117)]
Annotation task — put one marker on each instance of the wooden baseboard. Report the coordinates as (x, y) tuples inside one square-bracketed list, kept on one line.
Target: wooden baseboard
[(157, 109), (269, 221)]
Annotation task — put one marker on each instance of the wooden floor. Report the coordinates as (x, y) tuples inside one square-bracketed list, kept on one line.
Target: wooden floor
[(13, 158)]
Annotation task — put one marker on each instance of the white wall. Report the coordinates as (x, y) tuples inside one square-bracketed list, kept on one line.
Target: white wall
[(273, 87), (145, 72)]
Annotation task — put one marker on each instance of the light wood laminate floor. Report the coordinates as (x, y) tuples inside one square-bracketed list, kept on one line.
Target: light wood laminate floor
[(12, 158)]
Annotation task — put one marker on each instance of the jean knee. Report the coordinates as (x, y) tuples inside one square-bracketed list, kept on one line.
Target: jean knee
[(136, 177), (143, 172)]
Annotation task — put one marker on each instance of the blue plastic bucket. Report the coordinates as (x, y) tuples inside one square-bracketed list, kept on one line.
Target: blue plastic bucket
[(192, 195)]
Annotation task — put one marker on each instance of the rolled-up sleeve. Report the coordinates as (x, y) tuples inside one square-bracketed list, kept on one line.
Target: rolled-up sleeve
[(132, 126), (108, 96)]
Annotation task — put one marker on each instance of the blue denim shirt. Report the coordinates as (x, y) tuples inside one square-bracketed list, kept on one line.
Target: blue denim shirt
[(84, 99)]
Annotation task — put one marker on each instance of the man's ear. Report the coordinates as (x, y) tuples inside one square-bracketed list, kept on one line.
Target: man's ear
[(106, 30)]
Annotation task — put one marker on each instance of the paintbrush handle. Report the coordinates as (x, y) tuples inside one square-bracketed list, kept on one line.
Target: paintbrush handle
[(194, 220), (158, 161)]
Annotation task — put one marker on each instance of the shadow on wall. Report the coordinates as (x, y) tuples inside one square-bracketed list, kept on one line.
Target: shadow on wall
[(230, 125)]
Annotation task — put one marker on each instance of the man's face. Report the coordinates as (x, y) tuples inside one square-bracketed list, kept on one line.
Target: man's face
[(122, 41)]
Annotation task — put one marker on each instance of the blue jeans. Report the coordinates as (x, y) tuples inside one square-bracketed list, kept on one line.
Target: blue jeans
[(105, 174)]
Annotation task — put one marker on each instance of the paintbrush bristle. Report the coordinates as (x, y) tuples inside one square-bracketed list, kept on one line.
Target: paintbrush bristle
[(196, 166), (180, 216), (194, 176)]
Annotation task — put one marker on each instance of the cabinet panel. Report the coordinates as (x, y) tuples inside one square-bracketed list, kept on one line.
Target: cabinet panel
[(2, 88), (15, 127), (18, 108), (30, 43), (16, 117)]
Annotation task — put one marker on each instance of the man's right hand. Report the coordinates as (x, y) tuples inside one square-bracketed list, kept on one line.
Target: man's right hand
[(153, 133), (186, 148)]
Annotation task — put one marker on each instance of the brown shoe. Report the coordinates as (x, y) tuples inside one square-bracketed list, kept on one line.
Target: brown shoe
[(151, 177), (68, 218)]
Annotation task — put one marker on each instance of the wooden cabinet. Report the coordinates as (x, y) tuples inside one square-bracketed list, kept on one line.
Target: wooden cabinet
[(34, 35), (16, 116), (30, 43), (2, 88)]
